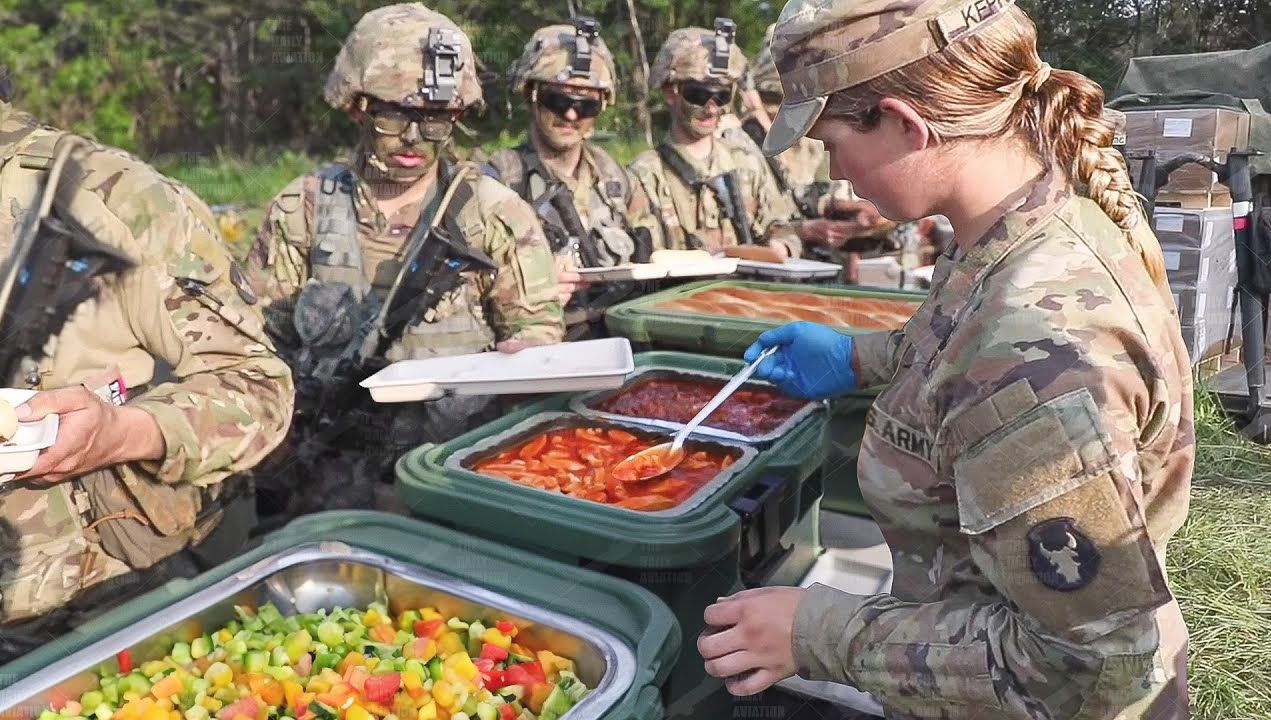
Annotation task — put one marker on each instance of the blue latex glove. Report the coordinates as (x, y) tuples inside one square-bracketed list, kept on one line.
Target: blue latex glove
[(814, 362)]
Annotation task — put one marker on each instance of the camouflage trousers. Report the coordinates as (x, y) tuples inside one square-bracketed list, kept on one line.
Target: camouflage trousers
[(308, 476)]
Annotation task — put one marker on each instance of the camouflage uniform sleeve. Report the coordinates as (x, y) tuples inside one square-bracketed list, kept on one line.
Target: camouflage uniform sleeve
[(774, 210), (640, 211), (1050, 440), (278, 263), (523, 299), (189, 304), (878, 355)]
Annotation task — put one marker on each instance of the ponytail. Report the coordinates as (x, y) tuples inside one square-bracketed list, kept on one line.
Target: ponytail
[(1064, 120)]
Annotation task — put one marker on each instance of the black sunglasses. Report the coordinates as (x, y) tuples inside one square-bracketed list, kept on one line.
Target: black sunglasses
[(584, 106), (697, 93)]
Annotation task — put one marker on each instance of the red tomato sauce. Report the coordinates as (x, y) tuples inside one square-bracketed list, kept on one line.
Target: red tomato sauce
[(748, 411)]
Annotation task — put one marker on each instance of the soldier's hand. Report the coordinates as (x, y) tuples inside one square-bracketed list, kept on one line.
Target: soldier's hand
[(92, 434), (568, 279), (751, 644), (862, 212)]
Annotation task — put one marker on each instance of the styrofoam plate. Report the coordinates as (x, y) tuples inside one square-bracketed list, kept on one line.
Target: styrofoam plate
[(619, 273), (705, 268), (565, 367), (19, 453), (792, 268)]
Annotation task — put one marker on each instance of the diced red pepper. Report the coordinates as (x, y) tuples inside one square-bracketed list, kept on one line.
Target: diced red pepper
[(507, 712), (381, 688), (484, 664), (427, 628), (125, 661), (505, 626), (246, 707), (493, 652), (494, 679), (526, 674)]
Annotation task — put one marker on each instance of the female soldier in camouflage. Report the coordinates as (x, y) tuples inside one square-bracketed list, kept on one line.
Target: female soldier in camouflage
[(1031, 455)]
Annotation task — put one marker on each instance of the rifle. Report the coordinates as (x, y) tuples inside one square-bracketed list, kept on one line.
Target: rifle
[(565, 229), (725, 186), (49, 272), (727, 190), (343, 339)]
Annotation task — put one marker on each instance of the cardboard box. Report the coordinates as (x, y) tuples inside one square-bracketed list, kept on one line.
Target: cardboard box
[(1211, 132)]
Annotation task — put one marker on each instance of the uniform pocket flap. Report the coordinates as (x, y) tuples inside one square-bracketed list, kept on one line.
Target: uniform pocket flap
[(1040, 455)]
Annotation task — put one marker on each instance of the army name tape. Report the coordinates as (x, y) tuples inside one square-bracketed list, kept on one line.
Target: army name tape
[(901, 47)]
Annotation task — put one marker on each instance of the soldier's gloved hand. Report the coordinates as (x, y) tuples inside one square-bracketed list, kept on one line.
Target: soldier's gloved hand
[(814, 362)]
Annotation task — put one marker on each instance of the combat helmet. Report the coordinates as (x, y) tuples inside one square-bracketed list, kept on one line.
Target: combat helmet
[(695, 53), (573, 54), (763, 70), (405, 54)]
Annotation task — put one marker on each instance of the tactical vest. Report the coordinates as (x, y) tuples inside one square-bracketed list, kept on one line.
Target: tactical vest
[(607, 206), (66, 538), (457, 326)]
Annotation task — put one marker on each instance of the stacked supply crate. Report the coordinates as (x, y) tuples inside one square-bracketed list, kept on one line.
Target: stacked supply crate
[(1200, 258), (1209, 131)]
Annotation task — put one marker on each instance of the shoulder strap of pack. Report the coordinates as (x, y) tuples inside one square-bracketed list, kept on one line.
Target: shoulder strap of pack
[(679, 166), (337, 252), (458, 219)]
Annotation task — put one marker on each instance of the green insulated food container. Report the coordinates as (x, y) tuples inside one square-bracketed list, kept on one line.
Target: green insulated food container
[(624, 640), (755, 524), (649, 327)]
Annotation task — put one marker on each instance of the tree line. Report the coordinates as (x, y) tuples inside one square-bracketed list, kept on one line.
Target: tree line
[(172, 77)]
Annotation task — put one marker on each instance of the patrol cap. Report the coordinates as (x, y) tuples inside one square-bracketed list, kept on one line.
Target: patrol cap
[(824, 46)]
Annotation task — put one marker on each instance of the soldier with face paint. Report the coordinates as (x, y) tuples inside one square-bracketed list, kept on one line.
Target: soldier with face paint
[(405, 75), (1031, 455), (566, 75), (697, 70)]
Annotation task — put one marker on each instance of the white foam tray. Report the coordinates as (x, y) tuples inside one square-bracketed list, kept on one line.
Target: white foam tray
[(658, 271), (793, 269), (20, 452), (566, 367)]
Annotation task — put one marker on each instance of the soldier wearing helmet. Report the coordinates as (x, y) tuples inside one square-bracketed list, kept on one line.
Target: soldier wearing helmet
[(331, 245), (120, 274), (697, 70), (566, 75), (803, 171)]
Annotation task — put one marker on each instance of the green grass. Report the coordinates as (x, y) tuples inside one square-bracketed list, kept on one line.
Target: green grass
[(1220, 571)]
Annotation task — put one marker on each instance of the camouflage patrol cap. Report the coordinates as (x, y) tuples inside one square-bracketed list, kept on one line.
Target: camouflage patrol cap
[(551, 55), (763, 69), (824, 46), (405, 54), (688, 53)]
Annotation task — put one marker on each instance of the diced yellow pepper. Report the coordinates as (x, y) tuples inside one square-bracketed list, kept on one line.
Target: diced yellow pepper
[(174, 715), (154, 667), (553, 663), (318, 685), (212, 704), (357, 712), (219, 674), (371, 662), (430, 614), (427, 712), (165, 704), (411, 680), (451, 644), (372, 618), (376, 709), (494, 637), (154, 712), (443, 693), (224, 636)]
